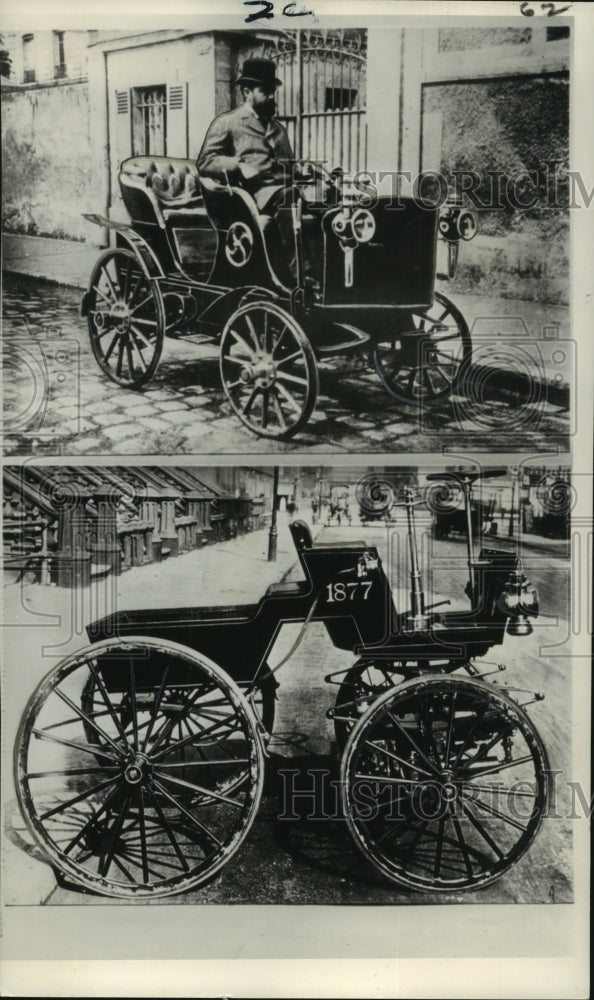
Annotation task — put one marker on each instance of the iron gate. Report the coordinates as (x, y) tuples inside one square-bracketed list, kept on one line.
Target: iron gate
[(322, 101)]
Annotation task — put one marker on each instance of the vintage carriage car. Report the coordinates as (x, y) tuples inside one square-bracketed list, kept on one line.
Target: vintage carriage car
[(198, 257), (139, 762)]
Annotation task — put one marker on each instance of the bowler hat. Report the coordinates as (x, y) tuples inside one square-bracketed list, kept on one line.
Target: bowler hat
[(260, 72)]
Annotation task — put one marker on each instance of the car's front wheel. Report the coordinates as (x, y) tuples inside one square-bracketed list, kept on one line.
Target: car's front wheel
[(429, 359)]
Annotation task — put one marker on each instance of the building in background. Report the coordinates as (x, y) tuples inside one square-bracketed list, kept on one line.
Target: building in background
[(47, 167), (494, 101), (72, 525)]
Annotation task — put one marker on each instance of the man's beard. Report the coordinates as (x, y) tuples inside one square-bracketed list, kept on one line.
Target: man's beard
[(266, 109)]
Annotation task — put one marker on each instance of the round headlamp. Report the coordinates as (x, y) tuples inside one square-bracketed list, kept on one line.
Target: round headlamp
[(466, 224), (340, 224), (363, 225)]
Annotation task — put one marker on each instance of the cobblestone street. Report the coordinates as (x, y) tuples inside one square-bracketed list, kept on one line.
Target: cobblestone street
[(57, 400)]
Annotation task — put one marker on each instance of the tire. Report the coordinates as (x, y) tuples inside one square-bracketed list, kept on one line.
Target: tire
[(169, 790), (409, 784), (413, 369), (126, 319), (268, 370)]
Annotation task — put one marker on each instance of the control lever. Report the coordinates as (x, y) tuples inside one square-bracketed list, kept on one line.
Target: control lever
[(439, 604)]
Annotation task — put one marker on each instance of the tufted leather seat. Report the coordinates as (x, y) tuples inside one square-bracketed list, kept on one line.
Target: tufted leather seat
[(171, 179), (167, 191), (155, 188)]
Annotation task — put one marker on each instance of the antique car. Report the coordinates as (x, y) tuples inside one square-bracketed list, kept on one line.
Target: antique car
[(198, 258), (139, 761)]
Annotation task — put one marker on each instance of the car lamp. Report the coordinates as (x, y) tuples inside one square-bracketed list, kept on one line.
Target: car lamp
[(363, 225), (466, 225), (457, 224), (358, 226), (520, 601)]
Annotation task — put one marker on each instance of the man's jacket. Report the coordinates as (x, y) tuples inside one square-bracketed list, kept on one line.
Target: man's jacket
[(240, 136)]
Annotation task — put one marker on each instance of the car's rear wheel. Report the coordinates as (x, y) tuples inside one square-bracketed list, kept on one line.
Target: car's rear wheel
[(126, 318), (165, 792)]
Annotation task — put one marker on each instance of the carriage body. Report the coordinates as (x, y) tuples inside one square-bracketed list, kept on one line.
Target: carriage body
[(197, 251), (345, 586), (213, 234)]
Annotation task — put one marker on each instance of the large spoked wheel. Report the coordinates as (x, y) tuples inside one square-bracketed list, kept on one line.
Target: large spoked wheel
[(268, 370), (126, 319), (428, 360), (444, 783), (167, 790)]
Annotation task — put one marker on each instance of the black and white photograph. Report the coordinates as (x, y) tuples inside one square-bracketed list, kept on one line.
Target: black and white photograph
[(376, 664), (298, 238), (297, 472)]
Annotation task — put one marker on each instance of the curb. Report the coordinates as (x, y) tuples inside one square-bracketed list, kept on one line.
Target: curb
[(61, 282), (23, 870)]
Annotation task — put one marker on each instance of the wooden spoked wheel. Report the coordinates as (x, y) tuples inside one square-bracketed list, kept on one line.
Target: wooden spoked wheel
[(165, 793), (126, 318), (268, 370), (429, 359), (444, 783), (360, 687), (260, 696)]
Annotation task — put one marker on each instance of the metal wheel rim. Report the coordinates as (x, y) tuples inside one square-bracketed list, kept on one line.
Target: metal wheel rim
[(126, 319), (444, 854), (433, 366), (130, 819), (268, 370)]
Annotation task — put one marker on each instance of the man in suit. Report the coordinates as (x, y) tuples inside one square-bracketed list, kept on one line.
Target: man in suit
[(246, 145)]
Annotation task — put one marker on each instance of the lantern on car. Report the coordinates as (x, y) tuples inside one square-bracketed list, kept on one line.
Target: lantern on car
[(520, 601)]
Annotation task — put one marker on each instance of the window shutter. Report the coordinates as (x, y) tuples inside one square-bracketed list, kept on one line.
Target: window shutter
[(177, 120), (123, 129)]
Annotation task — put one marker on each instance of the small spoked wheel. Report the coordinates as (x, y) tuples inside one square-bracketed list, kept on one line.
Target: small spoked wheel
[(360, 687), (126, 318), (145, 782), (268, 370), (429, 359), (444, 783), (260, 696)]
